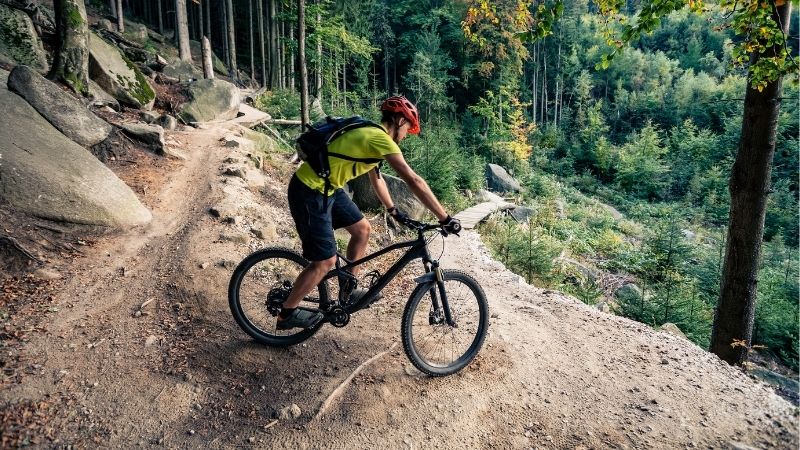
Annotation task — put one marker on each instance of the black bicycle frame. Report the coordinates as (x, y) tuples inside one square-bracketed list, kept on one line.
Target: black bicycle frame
[(419, 249)]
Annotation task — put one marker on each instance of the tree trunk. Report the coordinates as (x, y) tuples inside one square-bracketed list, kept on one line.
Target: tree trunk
[(344, 79), (207, 17), (208, 65), (291, 62), (71, 63), (386, 69), (301, 54), (252, 47), (184, 51), (535, 74), (749, 185), (112, 5), (274, 61), (225, 51), (260, 16), (319, 57), (544, 88), (120, 18), (233, 69), (199, 32), (147, 12), (160, 17), (281, 48)]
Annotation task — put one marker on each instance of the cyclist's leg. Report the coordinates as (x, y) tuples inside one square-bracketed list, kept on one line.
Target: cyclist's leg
[(345, 214), (315, 228), (307, 280)]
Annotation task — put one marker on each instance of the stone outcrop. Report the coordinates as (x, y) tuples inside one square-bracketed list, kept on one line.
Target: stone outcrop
[(47, 175), (117, 75), (62, 110), (101, 98), (364, 196), (182, 71), (152, 136), (19, 41), (210, 100), (499, 179), (628, 291), (672, 329), (522, 213)]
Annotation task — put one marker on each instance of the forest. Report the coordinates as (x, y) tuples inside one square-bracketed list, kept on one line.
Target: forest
[(625, 160)]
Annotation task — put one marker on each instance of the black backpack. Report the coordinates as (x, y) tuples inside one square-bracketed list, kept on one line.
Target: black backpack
[(312, 145)]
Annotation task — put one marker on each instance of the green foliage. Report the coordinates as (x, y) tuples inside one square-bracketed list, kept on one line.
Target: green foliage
[(777, 308), (652, 134), (754, 22), (281, 104), (641, 170)]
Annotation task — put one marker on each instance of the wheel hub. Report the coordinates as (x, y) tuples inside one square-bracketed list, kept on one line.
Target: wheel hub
[(277, 296), (338, 317)]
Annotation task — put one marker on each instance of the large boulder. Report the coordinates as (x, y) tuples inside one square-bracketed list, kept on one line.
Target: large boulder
[(48, 175), (522, 213), (211, 100), (628, 291), (136, 32), (316, 113), (117, 75), (152, 136), (101, 98), (364, 196), (183, 71), (19, 41), (499, 180), (672, 329), (64, 111)]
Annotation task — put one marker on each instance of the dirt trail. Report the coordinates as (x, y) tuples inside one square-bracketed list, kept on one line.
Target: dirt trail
[(178, 373)]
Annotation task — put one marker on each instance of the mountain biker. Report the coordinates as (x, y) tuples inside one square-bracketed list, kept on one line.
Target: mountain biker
[(316, 219)]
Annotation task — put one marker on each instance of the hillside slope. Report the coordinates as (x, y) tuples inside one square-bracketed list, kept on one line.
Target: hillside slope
[(105, 370)]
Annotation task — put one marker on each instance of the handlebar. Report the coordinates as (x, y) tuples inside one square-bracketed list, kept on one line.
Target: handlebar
[(422, 227)]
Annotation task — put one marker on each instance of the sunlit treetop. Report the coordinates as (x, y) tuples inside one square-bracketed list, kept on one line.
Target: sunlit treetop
[(762, 48)]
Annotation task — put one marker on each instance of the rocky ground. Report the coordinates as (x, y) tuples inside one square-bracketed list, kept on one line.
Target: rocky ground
[(127, 341)]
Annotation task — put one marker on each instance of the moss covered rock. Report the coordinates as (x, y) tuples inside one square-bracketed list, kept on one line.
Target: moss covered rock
[(117, 75), (183, 71), (19, 41), (47, 175), (211, 100), (68, 114)]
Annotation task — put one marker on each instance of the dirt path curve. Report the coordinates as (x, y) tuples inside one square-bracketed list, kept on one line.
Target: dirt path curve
[(554, 373)]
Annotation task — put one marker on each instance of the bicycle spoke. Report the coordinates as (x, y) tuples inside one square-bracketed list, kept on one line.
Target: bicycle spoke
[(266, 281), (439, 344)]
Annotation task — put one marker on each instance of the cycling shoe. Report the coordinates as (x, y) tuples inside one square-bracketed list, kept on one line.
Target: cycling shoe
[(300, 318)]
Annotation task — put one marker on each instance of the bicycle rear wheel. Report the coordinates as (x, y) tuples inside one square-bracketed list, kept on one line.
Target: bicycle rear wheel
[(258, 286), (434, 346)]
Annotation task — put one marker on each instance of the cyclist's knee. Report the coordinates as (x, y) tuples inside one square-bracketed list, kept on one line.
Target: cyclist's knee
[(324, 265), (360, 229)]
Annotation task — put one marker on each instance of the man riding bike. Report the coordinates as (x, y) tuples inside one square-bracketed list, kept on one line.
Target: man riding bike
[(315, 218)]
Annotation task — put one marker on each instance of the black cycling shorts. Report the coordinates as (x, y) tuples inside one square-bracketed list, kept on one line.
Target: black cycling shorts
[(314, 223)]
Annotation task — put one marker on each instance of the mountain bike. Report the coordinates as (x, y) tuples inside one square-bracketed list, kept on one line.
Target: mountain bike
[(444, 322)]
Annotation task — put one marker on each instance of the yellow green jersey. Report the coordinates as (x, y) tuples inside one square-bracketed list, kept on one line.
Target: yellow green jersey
[(364, 143)]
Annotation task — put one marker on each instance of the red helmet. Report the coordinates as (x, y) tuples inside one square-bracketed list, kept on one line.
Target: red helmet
[(400, 104)]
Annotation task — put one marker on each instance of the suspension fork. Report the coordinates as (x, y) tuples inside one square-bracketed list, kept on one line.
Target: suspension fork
[(434, 273)]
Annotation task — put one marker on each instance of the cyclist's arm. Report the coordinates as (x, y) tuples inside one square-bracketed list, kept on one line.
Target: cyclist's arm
[(381, 190), (417, 185)]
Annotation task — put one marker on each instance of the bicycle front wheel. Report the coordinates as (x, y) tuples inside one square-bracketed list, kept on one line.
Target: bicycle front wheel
[(258, 286), (434, 346)]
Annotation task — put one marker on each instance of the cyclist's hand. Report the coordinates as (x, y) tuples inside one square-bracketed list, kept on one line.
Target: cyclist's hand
[(451, 225), (398, 215)]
